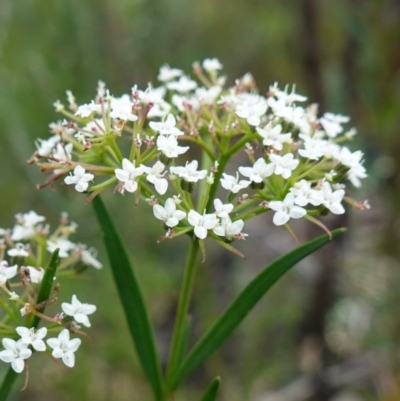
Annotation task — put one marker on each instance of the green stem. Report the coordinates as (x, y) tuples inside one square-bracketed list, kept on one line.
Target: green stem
[(183, 307)]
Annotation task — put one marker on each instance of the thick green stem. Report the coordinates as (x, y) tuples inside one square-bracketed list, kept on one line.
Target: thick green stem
[(183, 307)]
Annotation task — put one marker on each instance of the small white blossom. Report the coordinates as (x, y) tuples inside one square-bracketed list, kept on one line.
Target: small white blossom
[(121, 109), (202, 223), (167, 73), (169, 214), (64, 348), (155, 175), (80, 178), (86, 110), (63, 244), (252, 110), (273, 137), (259, 171), (15, 353), (46, 146), (229, 229), (18, 251), (167, 127), (222, 210), (230, 183), (7, 272), (88, 257), (332, 200), (208, 95), (29, 337), (13, 296), (354, 162), (78, 310), (304, 194), (128, 175), (189, 172), (284, 165), (286, 210), (212, 64), (169, 146), (35, 273), (183, 85)]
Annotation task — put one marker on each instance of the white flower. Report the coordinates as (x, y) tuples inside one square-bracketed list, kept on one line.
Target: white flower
[(189, 172), (229, 229), (251, 110), (332, 200), (332, 128), (25, 227), (182, 103), (89, 258), (128, 175), (184, 84), (169, 146), (222, 210), (202, 223), (167, 73), (259, 171), (7, 272), (166, 127), (121, 109), (272, 136), (354, 161), (337, 118), (19, 250), (63, 244), (230, 183), (35, 273), (28, 336), (208, 95), (286, 210), (168, 214), (64, 348), (78, 310), (80, 178), (85, 110), (13, 296), (284, 164), (289, 98), (29, 219), (46, 146), (156, 177), (314, 148), (15, 353), (304, 194), (212, 64)]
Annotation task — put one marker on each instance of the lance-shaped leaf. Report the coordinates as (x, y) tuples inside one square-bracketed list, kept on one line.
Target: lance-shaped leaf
[(46, 286), (212, 391), (243, 304), (131, 299)]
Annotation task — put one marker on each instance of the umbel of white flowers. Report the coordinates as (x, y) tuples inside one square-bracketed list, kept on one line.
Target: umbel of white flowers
[(298, 163)]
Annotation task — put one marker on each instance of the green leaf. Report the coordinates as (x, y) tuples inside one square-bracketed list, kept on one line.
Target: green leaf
[(44, 293), (212, 391), (243, 304), (131, 298), (8, 383), (46, 286)]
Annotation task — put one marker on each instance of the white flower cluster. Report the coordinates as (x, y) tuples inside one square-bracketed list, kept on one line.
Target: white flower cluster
[(23, 252), (27, 242), (298, 166), (17, 351)]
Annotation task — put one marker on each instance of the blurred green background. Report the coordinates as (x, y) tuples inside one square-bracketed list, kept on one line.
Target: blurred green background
[(330, 330)]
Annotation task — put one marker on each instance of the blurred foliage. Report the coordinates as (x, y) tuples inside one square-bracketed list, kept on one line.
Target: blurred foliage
[(343, 54)]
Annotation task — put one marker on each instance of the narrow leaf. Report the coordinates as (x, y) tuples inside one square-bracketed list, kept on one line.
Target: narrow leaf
[(131, 298), (47, 285), (212, 391), (8, 383), (244, 302)]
